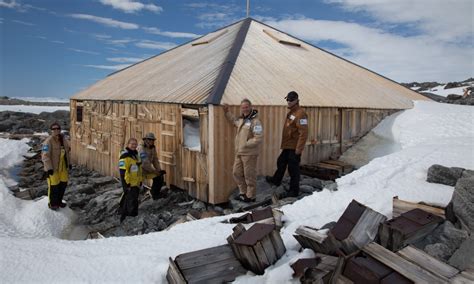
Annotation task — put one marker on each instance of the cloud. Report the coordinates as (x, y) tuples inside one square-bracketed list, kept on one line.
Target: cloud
[(155, 44), (41, 37), (109, 67), (125, 59), (1, 20), (10, 5), (212, 15), (106, 21), (84, 51), (23, 23), (130, 6), (13, 4), (57, 41), (101, 36), (157, 31), (402, 58)]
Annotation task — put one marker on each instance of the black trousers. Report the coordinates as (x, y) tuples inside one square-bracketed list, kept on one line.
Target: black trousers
[(156, 187), (56, 193), (289, 159), (129, 202)]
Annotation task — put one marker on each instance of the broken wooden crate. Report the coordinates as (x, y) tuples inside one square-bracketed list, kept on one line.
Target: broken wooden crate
[(320, 241), (258, 247), (266, 215), (319, 269), (327, 170), (402, 206), (407, 228), (211, 265)]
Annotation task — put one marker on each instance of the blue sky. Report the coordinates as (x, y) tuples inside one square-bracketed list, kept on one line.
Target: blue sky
[(53, 48)]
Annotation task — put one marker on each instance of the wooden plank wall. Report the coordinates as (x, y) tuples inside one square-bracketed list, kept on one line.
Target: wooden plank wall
[(323, 139), (106, 127)]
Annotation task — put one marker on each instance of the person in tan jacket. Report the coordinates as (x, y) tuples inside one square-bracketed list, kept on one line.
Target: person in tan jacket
[(294, 135), (247, 141), (56, 161), (151, 165)]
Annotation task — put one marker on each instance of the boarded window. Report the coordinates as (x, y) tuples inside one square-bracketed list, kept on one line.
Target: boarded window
[(79, 113)]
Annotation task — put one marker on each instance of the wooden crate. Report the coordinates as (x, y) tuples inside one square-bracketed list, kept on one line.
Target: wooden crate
[(211, 265), (402, 206), (257, 248), (266, 215)]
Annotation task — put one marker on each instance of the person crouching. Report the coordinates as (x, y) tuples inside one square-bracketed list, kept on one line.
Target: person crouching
[(151, 165), (55, 157), (131, 178)]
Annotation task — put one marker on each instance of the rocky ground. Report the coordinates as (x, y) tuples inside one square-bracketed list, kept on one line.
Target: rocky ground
[(28, 123), (450, 99), (12, 101)]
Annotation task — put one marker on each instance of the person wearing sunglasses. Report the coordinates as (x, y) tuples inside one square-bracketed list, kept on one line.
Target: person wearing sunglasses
[(247, 141), (295, 133), (151, 165), (56, 160)]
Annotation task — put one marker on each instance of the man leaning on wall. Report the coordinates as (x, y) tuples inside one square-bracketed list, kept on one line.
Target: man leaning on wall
[(247, 143), (151, 165)]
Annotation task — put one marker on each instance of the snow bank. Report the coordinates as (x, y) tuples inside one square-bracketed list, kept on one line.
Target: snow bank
[(440, 91), (429, 133), (32, 109)]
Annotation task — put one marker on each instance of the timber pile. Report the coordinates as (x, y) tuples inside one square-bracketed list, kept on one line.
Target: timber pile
[(212, 265), (402, 206), (407, 228), (357, 227), (327, 170), (266, 215), (257, 248), (315, 270)]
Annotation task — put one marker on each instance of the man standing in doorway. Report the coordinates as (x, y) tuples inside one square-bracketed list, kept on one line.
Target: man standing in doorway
[(151, 165), (247, 141), (295, 133)]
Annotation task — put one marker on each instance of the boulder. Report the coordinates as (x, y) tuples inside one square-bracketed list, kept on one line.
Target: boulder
[(306, 188), (313, 182), (439, 250), (444, 175), (463, 200), (463, 258), (100, 181)]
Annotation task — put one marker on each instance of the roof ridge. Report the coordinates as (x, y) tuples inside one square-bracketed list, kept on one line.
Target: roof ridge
[(224, 75)]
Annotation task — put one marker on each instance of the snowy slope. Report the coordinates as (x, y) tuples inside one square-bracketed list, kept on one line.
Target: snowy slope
[(440, 91), (32, 109), (429, 133)]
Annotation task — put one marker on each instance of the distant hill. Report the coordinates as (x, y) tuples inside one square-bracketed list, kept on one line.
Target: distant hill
[(14, 101), (451, 92)]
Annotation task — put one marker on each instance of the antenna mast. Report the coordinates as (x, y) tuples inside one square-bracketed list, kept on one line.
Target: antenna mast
[(248, 8)]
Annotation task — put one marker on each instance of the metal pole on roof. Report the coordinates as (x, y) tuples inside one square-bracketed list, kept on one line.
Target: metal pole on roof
[(248, 8)]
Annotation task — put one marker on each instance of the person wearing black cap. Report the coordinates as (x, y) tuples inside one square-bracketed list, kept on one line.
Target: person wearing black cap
[(295, 133)]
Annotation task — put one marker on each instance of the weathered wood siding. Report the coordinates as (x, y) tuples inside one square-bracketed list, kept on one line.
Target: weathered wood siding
[(324, 139)]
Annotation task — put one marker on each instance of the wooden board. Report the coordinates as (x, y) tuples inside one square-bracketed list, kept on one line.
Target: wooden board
[(402, 206)]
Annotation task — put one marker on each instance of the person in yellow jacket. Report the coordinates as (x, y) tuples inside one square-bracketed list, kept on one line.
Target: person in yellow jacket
[(131, 177), (247, 143), (151, 165), (293, 140), (55, 157)]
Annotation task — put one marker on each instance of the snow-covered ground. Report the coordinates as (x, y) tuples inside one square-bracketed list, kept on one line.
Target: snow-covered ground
[(32, 109), (44, 99), (440, 91), (430, 133)]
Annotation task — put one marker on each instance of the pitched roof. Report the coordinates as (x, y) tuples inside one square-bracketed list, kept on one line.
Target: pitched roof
[(251, 60)]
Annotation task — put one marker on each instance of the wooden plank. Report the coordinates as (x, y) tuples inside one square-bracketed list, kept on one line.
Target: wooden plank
[(428, 262), (174, 275), (261, 255), (270, 250), (402, 206), (168, 122), (188, 179), (278, 244), (189, 112), (401, 265), (167, 133), (225, 269)]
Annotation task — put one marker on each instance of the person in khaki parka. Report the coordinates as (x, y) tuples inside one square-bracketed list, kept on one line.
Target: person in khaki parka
[(56, 161), (294, 136), (151, 165), (247, 141)]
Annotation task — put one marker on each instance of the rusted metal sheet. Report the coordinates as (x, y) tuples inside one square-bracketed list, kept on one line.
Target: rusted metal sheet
[(421, 217), (254, 234), (300, 266), (395, 278), (254, 216), (348, 220), (367, 270)]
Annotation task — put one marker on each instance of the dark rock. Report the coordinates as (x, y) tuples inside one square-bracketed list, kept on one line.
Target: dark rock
[(449, 213), (199, 205), (463, 258), (451, 85), (306, 188), (444, 175), (329, 225), (439, 251), (453, 97), (467, 174), (313, 182), (99, 181), (84, 188), (463, 200)]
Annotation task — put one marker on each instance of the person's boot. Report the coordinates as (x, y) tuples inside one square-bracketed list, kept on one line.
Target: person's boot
[(270, 180), (62, 204), (53, 207)]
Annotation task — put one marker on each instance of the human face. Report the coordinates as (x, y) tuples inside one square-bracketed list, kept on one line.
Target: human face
[(149, 142), (245, 108), (56, 130), (132, 145), (292, 103)]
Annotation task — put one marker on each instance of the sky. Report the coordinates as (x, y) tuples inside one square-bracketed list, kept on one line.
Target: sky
[(56, 48)]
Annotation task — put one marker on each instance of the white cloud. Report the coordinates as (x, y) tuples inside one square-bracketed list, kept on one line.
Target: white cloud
[(446, 20), (155, 44), (409, 58), (84, 51), (106, 21), (108, 67), (125, 59), (157, 31), (212, 15), (101, 36), (130, 6), (10, 4), (13, 4), (23, 23), (40, 37), (57, 41)]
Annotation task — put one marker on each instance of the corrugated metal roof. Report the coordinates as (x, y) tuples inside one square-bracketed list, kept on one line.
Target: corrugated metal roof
[(186, 74), (266, 70)]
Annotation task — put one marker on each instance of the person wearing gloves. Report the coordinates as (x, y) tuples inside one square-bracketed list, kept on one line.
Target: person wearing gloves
[(56, 160), (294, 135), (151, 165), (131, 177), (247, 143)]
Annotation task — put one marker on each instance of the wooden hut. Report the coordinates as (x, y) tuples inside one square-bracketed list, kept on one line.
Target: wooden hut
[(182, 90)]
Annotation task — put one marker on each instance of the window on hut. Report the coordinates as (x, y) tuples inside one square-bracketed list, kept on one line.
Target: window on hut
[(191, 129), (79, 112)]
